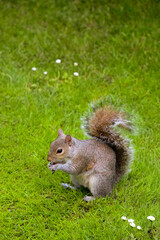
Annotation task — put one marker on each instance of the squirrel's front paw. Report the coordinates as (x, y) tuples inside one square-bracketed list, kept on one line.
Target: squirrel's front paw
[(53, 167)]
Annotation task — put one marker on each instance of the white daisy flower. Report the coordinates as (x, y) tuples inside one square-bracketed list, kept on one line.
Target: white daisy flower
[(138, 227), (34, 68), (76, 74), (123, 218), (45, 73), (130, 220), (58, 61), (75, 64), (132, 224), (151, 218)]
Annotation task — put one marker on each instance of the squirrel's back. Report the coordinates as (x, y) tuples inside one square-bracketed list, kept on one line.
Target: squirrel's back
[(101, 125)]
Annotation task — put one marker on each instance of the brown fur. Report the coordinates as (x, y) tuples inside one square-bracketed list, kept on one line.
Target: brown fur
[(101, 126)]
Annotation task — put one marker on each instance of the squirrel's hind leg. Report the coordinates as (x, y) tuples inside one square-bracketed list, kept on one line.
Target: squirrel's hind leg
[(89, 198), (101, 185)]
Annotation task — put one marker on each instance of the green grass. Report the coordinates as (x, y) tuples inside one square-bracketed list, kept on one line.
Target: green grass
[(117, 47)]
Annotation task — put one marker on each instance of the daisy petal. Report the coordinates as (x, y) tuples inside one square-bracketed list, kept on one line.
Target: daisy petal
[(130, 220), (76, 74), (151, 218), (58, 61), (34, 68), (123, 218), (138, 227), (132, 224)]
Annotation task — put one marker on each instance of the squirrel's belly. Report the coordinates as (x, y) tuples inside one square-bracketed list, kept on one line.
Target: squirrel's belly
[(81, 179)]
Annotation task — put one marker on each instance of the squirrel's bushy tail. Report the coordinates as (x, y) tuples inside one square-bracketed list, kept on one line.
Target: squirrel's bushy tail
[(101, 125)]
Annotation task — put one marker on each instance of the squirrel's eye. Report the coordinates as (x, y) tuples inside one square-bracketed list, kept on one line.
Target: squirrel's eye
[(59, 150)]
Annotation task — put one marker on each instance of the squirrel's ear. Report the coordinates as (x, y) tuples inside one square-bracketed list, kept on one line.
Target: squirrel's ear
[(60, 132), (68, 140)]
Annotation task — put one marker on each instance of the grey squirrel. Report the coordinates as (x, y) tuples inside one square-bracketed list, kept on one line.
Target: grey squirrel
[(97, 163)]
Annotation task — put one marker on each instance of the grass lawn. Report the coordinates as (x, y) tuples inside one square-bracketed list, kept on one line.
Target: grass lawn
[(117, 47)]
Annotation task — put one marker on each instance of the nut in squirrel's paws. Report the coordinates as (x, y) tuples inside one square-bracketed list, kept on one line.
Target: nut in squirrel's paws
[(52, 167)]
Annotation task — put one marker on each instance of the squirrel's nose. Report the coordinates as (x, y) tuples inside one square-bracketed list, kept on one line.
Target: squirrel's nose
[(49, 159)]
